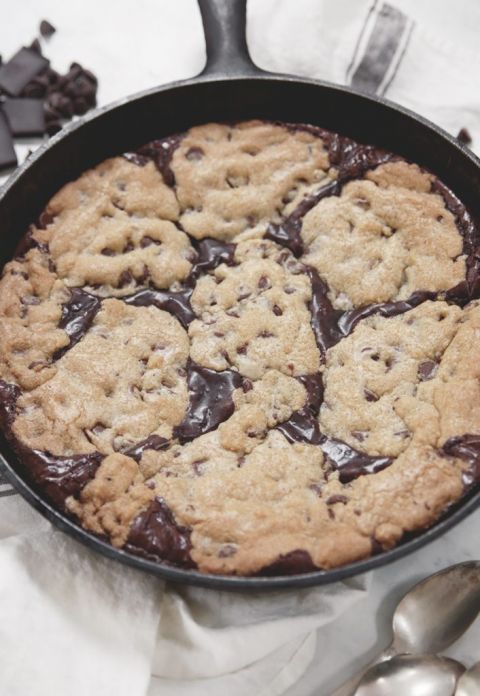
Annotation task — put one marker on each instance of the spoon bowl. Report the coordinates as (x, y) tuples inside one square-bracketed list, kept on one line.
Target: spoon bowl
[(469, 682), (415, 675)]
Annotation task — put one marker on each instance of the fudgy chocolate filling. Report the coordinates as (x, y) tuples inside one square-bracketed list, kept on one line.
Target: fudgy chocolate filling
[(59, 477), (210, 254), (291, 563), (210, 400), (155, 535), (77, 316), (331, 325), (161, 153), (466, 447), (177, 303)]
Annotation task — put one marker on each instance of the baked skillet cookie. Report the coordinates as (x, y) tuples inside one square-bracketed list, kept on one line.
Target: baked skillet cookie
[(249, 348)]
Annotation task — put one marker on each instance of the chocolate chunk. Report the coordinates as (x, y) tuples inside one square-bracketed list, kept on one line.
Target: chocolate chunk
[(25, 116), (154, 534), (8, 158), (35, 46), (36, 88), (46, 29), (153, 442), (464, 136), (177, 303), (61, 104), (466, 447), (210, 400), (77, 316), (20, 69), (292, 563), (53, 127)]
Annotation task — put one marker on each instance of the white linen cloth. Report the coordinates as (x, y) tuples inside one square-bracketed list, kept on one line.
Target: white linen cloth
[(72, 622)]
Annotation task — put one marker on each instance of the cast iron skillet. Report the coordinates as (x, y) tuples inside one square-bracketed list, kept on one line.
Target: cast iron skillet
[(230, 87)]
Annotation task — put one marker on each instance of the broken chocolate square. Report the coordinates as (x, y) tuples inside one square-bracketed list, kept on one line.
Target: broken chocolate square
[(8, 158), (20, 69), (25, 116)]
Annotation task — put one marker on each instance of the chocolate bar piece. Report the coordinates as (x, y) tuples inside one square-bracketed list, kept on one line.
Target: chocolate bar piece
[(20, 69), (8, 158), (25, 116)]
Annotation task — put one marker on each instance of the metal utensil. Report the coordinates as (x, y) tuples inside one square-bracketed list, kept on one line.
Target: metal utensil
[(469, 682), (415, 675), (432, 615)]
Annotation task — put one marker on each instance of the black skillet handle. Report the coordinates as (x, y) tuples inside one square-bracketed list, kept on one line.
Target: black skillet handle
[(224, 24)]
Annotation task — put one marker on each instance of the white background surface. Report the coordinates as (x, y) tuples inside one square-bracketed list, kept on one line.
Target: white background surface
[(134, 45)]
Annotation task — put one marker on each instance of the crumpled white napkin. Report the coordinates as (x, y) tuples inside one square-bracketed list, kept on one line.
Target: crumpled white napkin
[(74, 622)]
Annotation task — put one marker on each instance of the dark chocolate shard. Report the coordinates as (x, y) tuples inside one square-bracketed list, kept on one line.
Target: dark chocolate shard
[(154, 534), (60, 477), (46, 29), (466, 447), (20, 69), (292, 563), (210, 400), (77, 316), (210, 254), (177, 303), (351, 463), (153, 442), (8, 158), (26, 117)]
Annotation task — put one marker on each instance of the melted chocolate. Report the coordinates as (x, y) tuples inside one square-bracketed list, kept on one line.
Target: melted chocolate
[(210, 400), (210, 254), (349, 462), (28, 242), (153, 442), (155, 535), (466, 447), (60, 477), (469, 288), (177, 303), (161, 152), (9, 394), (287, 233), (292, 563), (331, 325), (302, 426), (77, 316)]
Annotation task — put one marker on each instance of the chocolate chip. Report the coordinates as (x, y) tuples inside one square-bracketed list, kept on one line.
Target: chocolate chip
[(359, 435), (427, 370), (25, 116), (125, 279), (316, 488), (369, 395), (8, 158), (263, 282), (46, 29), (20, 69), (247, 385), (242, 350), (147, 241), (333, 499), (227, 550), (277, 311), (464, 136), (194, 154)]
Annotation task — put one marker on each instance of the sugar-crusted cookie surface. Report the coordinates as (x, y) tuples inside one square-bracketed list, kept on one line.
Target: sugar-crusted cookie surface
[(249, 348)]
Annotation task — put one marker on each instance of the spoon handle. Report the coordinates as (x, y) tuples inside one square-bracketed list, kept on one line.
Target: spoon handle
[(349, 687)]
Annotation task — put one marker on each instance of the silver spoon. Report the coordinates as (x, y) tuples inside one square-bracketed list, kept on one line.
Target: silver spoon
[(432, 615), (469, 682), (415, 675)]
